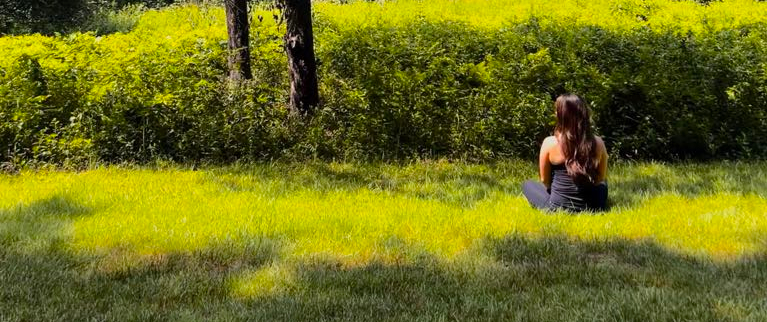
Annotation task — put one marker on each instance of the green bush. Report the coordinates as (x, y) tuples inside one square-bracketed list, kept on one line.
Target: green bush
[(393, 86), (45, 16), (64, 16), (447, 88)]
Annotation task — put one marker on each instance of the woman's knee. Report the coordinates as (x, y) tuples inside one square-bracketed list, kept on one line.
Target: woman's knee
[(528, 185), (536, 193)]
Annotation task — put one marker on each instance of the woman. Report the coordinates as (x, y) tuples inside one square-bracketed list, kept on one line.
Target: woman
[(572, 162)]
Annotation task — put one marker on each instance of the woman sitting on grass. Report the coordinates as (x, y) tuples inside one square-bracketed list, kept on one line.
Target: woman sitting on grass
[(572, 162)]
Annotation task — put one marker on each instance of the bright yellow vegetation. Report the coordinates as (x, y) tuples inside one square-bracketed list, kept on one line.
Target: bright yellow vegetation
[(659, 15), (363, 214)]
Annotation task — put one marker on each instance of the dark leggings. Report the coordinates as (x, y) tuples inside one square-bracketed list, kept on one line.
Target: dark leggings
[(538, 196)]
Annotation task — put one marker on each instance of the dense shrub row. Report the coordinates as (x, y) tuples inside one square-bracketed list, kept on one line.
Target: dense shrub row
[(391, 89), (654, 95)]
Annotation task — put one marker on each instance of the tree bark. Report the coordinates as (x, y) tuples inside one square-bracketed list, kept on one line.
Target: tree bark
[(299, 45), (238, 28)]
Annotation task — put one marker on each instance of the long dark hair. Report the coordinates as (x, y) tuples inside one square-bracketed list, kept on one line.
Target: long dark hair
[(576, 138)]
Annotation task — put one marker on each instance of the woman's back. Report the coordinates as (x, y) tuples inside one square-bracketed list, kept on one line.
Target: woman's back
[(572, 162)]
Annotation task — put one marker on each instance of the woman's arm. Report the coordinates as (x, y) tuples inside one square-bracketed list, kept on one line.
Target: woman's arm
[(602, 168), (544, 165)]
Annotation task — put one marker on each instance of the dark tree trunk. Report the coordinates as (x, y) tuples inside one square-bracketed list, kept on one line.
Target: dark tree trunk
[(237, 25), (299, 44)]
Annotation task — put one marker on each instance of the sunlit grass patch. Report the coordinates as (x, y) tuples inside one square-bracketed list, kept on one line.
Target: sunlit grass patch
[(365, 212), (265, 281)]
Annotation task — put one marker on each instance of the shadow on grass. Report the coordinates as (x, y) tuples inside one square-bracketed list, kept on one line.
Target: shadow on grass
[(515, 278), (41, 221), (60, 286), (549, 279), (43, 280)]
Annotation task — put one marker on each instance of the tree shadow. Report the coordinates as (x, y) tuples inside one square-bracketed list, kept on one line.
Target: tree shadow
[(531, 279), (57, 285), (45, 280), (516, 277), (41, 220)]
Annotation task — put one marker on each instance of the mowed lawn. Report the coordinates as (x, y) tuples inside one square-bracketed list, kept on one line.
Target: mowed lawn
[(428, 241)]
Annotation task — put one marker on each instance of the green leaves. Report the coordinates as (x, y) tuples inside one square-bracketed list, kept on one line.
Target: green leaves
[(391, 89)]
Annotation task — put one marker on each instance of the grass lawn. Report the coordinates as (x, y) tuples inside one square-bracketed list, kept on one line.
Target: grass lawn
[(428, 241)]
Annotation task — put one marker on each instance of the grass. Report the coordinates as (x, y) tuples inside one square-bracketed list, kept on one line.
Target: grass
[(428, 241)]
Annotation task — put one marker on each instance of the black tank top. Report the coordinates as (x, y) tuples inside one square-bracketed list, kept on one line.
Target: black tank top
[(565, 194)]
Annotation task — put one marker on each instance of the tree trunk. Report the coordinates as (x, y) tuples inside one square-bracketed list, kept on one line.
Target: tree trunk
[(299, 44), (237, 26)]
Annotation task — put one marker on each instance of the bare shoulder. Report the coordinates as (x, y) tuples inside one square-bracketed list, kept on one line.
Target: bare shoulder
[(549, 141)]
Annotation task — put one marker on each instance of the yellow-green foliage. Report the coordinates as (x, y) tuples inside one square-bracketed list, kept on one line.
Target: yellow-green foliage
[(399, 79), (182, 40), (84, 87), (617, 15)]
